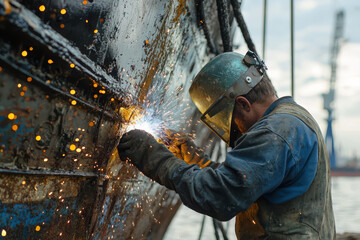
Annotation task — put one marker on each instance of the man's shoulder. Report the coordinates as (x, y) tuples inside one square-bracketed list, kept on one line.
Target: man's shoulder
[(281, 121), (288, 126)]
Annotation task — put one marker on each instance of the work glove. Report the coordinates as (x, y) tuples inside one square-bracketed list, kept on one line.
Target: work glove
[(152, 158), (184, 148)]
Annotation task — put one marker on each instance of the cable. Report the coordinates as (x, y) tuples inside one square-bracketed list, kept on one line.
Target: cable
[(241, 22), (219, 224), (216, 229), (202, 228), (264, 30), (200, 14), (223, 15)]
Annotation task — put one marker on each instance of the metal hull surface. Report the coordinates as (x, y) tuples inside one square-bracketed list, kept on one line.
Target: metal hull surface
[(68, 70)]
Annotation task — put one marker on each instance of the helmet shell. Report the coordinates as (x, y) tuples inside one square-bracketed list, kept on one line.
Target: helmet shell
[(217, 85), (215, 78)]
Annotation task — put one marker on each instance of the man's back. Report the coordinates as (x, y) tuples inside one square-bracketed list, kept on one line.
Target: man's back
[(309, 215)]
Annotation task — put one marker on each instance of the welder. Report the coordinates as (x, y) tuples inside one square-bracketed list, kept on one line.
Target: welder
[(275, 180)]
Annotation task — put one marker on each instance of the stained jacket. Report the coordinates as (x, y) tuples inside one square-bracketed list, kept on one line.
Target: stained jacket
[(274, 163)]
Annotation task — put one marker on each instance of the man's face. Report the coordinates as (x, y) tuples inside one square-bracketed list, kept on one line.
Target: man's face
[(239, 119), (244, 115), (235, 133), (240, 122), (238, 125)]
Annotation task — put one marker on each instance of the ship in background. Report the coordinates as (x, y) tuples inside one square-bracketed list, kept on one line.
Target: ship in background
[(351, 167)]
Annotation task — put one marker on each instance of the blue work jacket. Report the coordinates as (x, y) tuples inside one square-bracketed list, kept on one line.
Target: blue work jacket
[(275, 159)]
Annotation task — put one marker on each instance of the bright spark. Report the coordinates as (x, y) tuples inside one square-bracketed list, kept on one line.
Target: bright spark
[(148, 124), (155, 114)]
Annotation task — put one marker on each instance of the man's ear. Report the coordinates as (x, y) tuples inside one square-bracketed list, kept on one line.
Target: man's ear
[(243, 103)]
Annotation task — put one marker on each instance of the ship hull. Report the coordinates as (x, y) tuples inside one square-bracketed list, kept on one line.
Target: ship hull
[(65, 79)]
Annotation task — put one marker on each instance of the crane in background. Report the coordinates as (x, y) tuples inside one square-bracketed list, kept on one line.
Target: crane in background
[(329, 97)]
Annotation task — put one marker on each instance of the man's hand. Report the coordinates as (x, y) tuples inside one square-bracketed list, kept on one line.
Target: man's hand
[(134, 146), (149, 156), (184, 148)]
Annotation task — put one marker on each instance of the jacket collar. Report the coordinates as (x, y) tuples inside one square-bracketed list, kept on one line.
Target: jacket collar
[(286, 99)]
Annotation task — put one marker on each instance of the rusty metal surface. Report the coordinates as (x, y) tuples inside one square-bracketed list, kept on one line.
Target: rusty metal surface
[(64, 78)]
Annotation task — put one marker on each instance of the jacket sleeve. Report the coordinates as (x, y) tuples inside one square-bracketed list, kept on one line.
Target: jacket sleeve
[(256, 166)]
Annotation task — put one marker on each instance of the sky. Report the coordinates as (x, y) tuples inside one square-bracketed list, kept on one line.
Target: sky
[(314, 29)]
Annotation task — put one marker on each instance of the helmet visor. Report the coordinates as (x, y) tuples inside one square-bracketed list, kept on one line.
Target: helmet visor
[(218, 118)]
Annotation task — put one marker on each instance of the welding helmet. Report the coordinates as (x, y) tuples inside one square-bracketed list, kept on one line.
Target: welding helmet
[(217, 85)]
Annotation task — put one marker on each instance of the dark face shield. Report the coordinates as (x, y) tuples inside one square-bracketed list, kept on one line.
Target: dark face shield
[(218, 118), (228, 75)]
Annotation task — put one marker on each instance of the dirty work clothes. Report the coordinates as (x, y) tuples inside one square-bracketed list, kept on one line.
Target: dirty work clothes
[(276, 159), (308, 216), (274, 162)]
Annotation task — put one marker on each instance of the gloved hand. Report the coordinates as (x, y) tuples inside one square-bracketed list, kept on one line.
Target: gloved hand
[(184, 148), (149, 156)]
